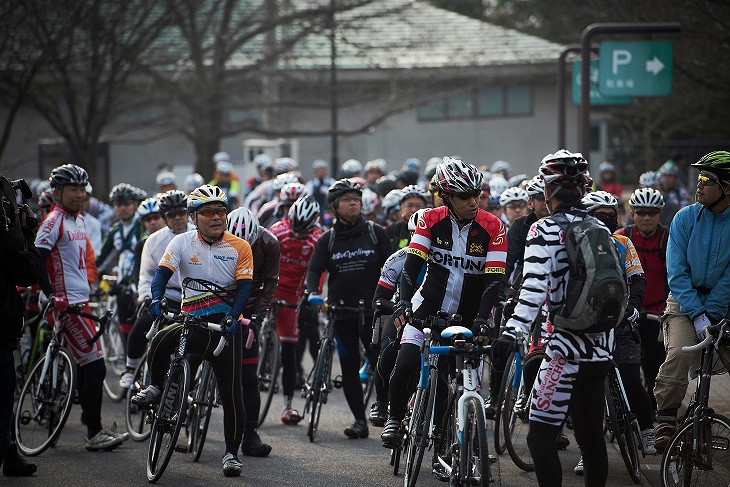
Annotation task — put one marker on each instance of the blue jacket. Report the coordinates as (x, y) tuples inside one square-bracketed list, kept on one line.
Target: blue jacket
[(698, 261)]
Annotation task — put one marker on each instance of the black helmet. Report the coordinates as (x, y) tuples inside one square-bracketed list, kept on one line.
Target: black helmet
[(717, 162), (124, 192), (339, 188), (173, 199), (68, 174)]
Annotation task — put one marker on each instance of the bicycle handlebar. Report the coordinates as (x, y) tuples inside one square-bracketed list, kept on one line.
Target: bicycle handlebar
[(712, 333), (103, 320), (649, 316)]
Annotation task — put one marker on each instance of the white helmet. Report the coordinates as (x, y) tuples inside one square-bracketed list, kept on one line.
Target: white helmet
[(370, 200), (510, 195), (535, 187), (285, 164), (414, 191), (262, 161), (282, 180), (650, 179), (498, 185), (303, 214), (292, 191), (413, 220), (646, 198), (165, 178), (224, 167), (454, 176), (593, 201), (391, 202), (221, 157), (206, 194), (193, 181), (147, 206), (243, 224), (350, 168), (503, 167)]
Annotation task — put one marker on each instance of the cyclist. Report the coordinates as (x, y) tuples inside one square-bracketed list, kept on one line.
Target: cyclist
[(266, 255), (412, 199), (320, 183), (675, 194), (514, 203), (297, 236), (698, 268), (577, 364), (118, 249), (464, 249), (607, 179), (63, 245), (149, 214), (173, 206), (277, 210), (264, 172), (215, 255), (650, 239), (374, 170), (226, 179), (166, 181), (352, 251)]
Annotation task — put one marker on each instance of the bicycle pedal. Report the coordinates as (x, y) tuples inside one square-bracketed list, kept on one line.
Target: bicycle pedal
[(337, 382), (181, 448)]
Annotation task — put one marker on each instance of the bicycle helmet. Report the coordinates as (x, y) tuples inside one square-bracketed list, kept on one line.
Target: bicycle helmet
[(535, 187), (564, 168), (502, 167), (510, 195), (717, 162), (173, 199), (650, 179), (391, 202), (376, 165), (339, 188), (606, 166), (320, 164), (498, 185), (413, 220), (303, 214), (588, 181), (46, 199), (68, 174), (414, 191), (350, 168), (385, 184), (670, 168), (165, 178), (206, 194), (221, 157), (455, 176), (431, 165), (282, 180), (193, 181), (646, 198), (370, 200), (147, 206), (224, 167), (412, 164), (597, 199), (262, 161), (285, 164), (359, 181), (515, 181), (292, 192), (243, 224), (126, 192)]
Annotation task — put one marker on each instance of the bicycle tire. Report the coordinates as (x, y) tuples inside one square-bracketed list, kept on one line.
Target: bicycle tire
[(201, 410), (620, 420), (500, 444), (114, 347), (368, 389), (474, 466), (138, 424), (267, 372), (678, 462), (418, 441), (516, 420), (320, 385), (449, 435), (39, 420), (169, 418)]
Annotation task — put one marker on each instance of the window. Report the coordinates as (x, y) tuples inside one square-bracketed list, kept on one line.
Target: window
[(485, 102)]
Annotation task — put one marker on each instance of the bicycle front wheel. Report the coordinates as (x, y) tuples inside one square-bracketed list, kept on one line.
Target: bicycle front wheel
[(113, 345), (474, 452), (516, 422), (169, 418), (44, 405), (708, 465), (201, 409), (138, 422), (268, 372), (320, 385), (418, 433), (500, 444), (620, 420)]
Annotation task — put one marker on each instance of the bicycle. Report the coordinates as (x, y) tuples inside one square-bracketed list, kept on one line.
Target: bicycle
[(201, 401), (40, 331), (269, 366), (319, 383), (698, 453), (419, 430), (48, 393), (463, 452)]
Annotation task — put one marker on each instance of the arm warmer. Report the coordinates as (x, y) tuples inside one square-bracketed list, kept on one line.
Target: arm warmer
[(159, 282), (409, 279), (637, 286), (243, 290)]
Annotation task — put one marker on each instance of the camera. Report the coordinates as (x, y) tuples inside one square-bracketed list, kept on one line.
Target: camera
[(22, 190)]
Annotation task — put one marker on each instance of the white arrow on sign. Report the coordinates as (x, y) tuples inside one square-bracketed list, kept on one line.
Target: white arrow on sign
[(654, 66)]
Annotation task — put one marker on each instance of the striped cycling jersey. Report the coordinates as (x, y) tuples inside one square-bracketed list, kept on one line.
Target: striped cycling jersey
[(223, 262), (152, 252), (458, 261), (545, 274)]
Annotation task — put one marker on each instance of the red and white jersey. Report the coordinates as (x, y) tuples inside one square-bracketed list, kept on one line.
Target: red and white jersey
[(295, 255), (64, 235)]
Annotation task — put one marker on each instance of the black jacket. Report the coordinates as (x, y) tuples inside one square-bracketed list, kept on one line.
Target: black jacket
[(516, 237)]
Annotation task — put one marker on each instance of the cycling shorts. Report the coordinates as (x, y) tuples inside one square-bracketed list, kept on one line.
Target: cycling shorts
[(77, 330)]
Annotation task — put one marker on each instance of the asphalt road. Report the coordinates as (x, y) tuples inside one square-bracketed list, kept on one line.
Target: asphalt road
[(333, 460)]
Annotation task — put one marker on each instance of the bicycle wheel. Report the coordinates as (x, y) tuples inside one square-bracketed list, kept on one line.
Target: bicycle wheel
[(620, 418), (138, 422), (320, 385), (474, 452), (268, 372), (169, 418), (500, 444), (445, 465), (368, 389), (417, 438), (113, 344), (201, 409), (516, 417), (44, 405), (709, 466)]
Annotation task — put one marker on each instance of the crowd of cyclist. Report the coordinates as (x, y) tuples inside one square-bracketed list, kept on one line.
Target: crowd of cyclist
[(446, 237)]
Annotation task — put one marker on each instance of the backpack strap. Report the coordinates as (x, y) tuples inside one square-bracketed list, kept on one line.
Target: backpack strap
[(331, 242), (371, 230)]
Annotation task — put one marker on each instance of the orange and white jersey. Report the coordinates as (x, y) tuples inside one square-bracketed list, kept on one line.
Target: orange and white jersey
[(64, 235), (223, 263)]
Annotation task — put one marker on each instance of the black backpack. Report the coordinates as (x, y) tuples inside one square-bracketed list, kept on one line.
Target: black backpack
[(596, 294)]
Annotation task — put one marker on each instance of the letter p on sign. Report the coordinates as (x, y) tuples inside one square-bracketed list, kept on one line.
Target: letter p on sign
[(621, 57)]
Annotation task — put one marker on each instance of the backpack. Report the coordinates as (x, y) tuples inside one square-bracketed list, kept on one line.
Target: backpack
[(371, 230), (596, 293)]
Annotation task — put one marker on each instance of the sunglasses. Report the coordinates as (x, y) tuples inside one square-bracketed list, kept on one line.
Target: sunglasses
[(174, 214), (706, 180), (601, 215), (646, 212), (210, 212), (515, 206), (538, 197), (468, 196)]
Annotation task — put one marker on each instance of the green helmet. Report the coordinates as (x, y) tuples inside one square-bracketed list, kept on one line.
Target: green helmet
[(717, 162)]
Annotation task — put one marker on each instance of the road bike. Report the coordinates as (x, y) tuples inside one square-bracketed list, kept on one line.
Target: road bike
[(113, 342), (698, 454)]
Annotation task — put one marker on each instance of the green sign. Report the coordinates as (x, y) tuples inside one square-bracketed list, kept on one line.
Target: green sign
[(635, 68), (596, 97)]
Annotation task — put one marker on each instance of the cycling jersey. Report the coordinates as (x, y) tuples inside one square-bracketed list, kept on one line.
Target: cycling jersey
[(266, 256), (223, 262), (652, 252), (63, 235), (119, 244), (516, 236), (152, 253)]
